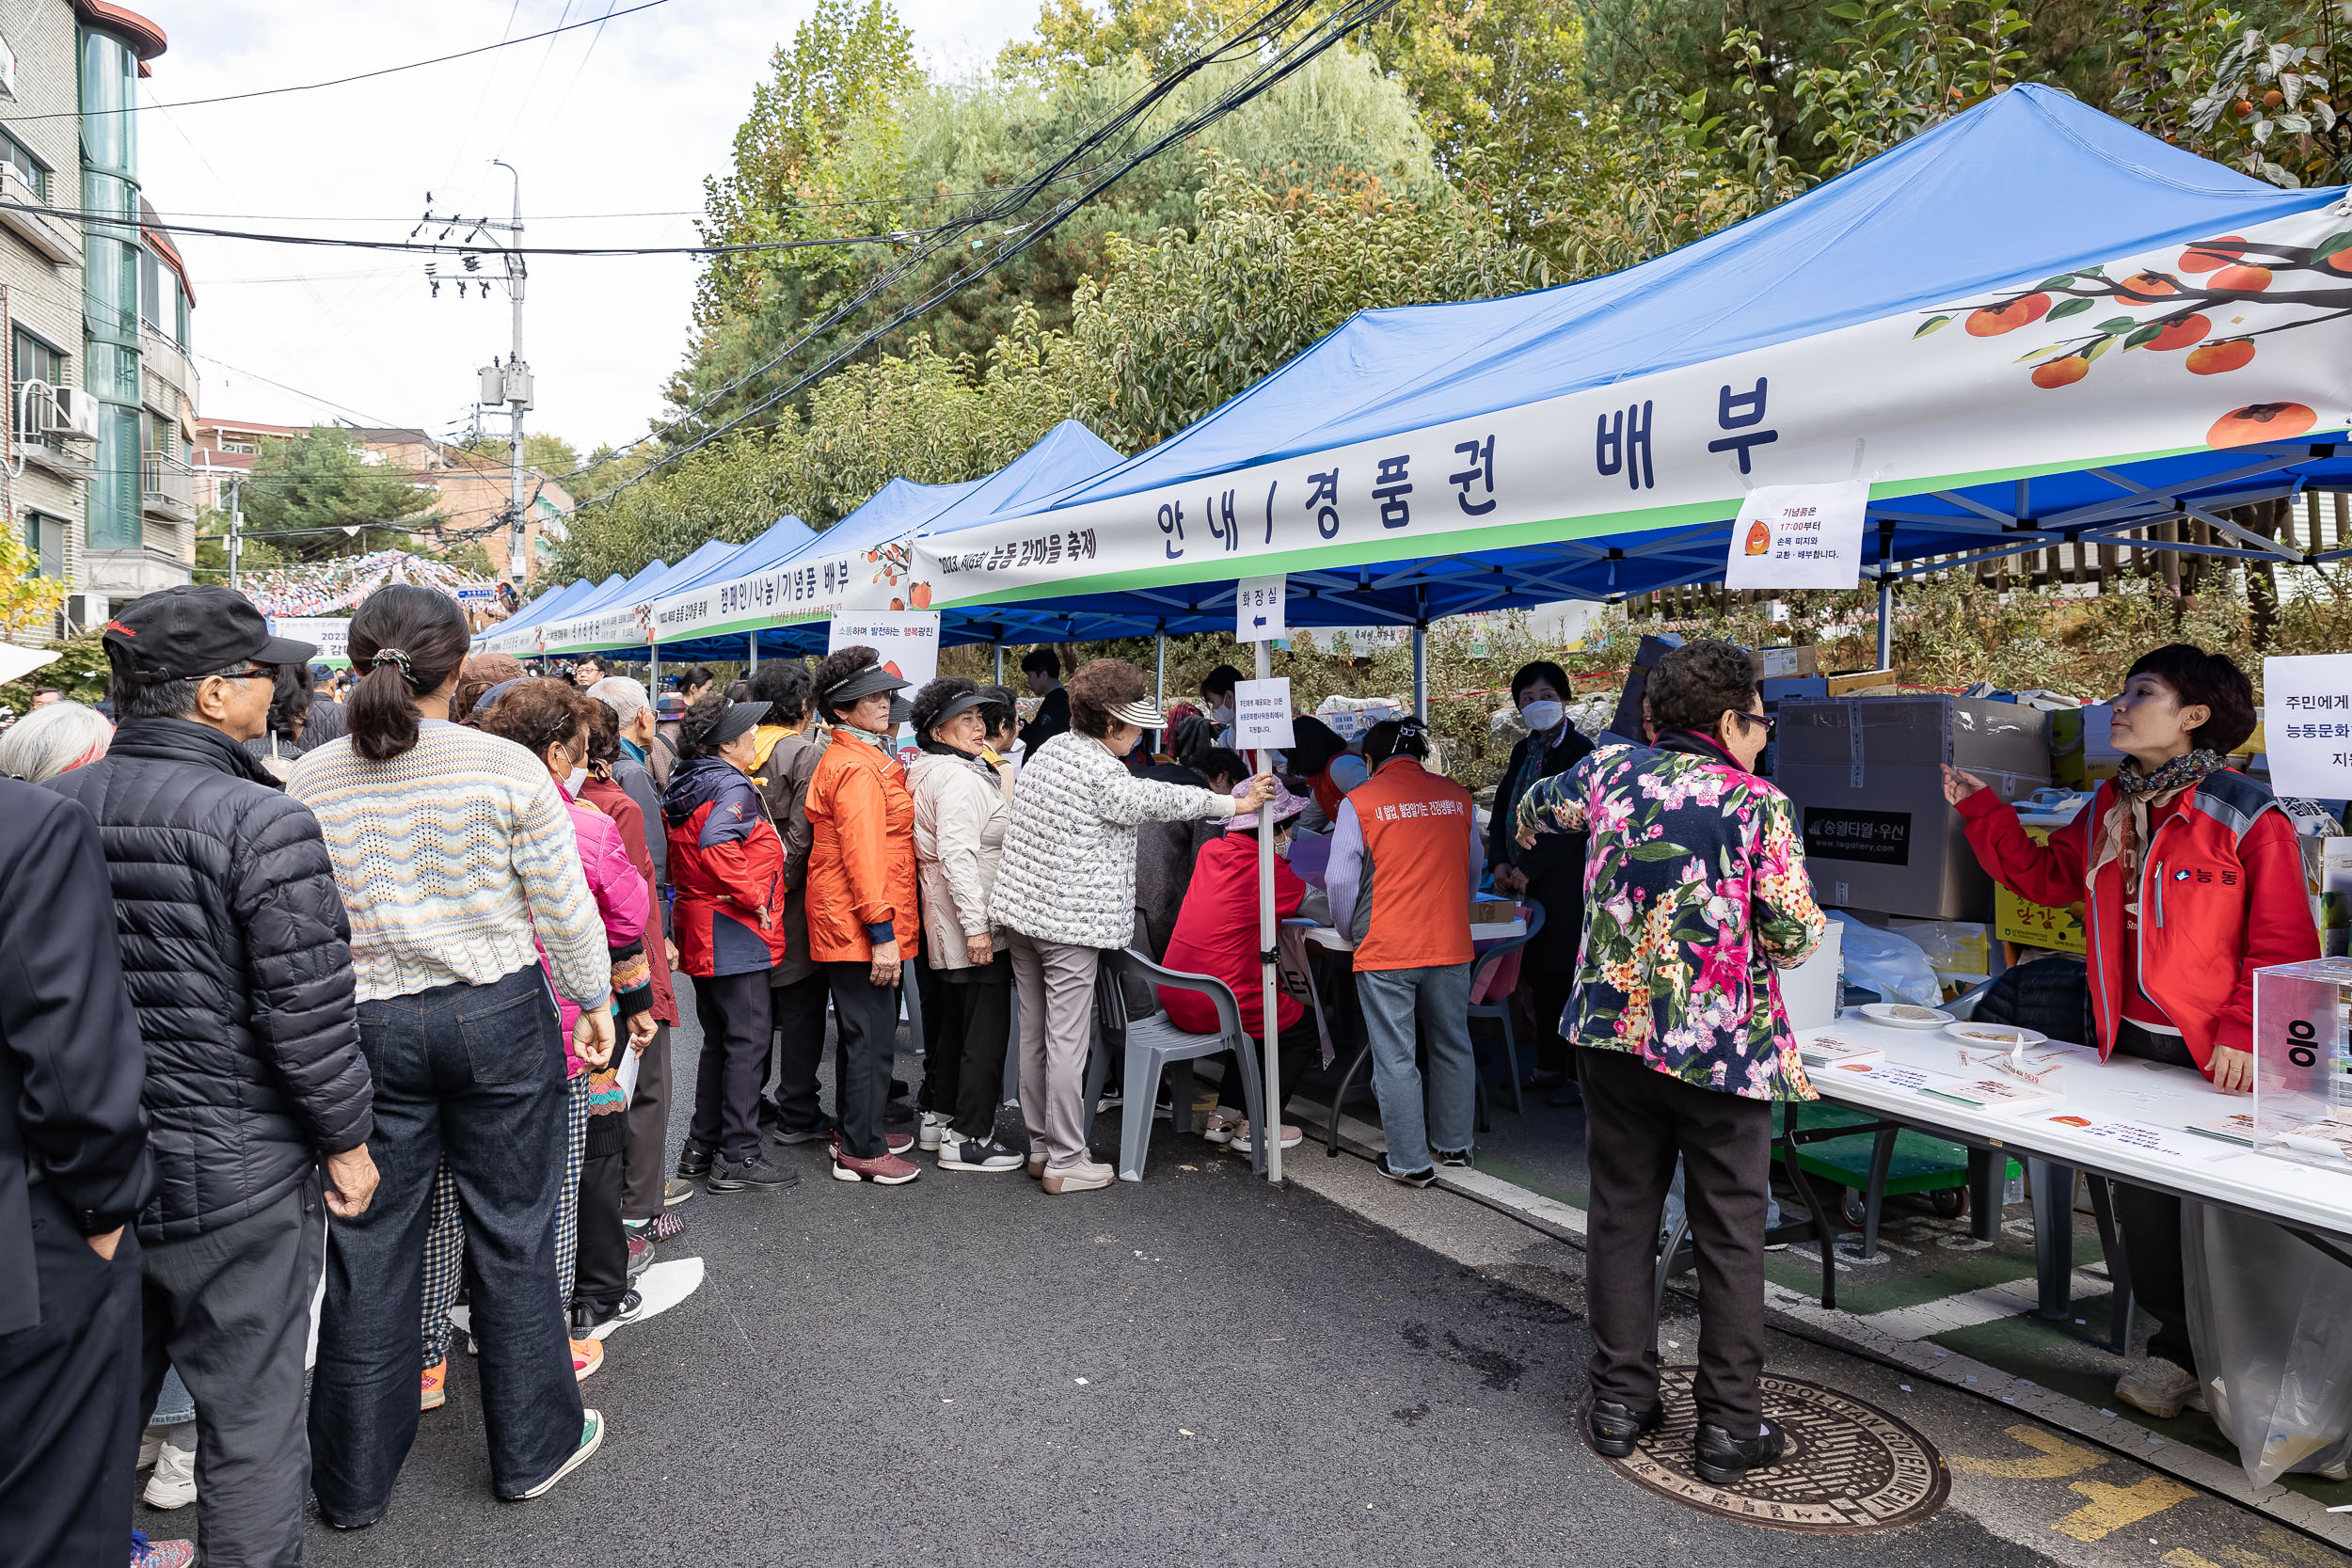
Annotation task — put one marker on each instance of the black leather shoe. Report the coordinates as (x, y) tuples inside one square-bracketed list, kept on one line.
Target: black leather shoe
[(1616, 1430), (693, 1161), (758, 1174), (1724, 1461)]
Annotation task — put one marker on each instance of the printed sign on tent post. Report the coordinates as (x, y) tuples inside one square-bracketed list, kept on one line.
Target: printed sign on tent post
[(2307, 724), (908, 640), (1262, 714), (1257, 610), (1799, 536)]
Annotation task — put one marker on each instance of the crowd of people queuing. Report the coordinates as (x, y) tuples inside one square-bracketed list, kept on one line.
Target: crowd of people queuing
[(380, 991)]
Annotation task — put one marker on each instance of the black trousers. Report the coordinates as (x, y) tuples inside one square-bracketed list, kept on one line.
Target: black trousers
[(975, 1021), (645, 1168), (600, 1274), (938, 1092), (733, 1012), (2151, 1223), (70, 1410), (799, 1013), (230, 1309), (1291, 1053), (1637, 1119), (865, 1033), (1547, 991)]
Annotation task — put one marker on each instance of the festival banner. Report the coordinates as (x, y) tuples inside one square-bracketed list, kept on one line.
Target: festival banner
[(2222, 343)]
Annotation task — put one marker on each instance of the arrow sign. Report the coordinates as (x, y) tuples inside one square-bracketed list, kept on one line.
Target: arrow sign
[(1258, 608)]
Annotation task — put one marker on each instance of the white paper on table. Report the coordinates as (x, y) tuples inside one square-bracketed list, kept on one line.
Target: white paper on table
[(2144, 1138), (1893, 1075)]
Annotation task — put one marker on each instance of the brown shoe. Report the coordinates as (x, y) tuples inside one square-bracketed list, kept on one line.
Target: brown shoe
[(887, 1171), (1084, 1177), (1037, 1167)]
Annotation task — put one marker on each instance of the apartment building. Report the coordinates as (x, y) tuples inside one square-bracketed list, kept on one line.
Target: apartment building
[(96, 307)]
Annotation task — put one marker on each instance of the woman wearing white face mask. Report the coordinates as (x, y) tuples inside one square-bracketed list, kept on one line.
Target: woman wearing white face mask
[(1216, 689), (1551, 874)]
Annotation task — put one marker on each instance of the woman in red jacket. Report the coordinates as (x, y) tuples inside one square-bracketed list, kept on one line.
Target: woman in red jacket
[(726, 867), (2191, 879), (1217, 935)]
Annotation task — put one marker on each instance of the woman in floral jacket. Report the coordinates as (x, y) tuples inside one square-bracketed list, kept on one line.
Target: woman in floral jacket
[(1695, 894)]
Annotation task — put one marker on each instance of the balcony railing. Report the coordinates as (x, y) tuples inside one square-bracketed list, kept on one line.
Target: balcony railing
[(168, 487)]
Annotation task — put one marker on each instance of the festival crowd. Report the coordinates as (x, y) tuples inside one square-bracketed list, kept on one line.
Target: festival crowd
[(377, 989)]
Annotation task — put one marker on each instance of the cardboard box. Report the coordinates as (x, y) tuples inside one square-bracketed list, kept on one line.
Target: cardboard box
[(2031, 924), (1784, 663), (2081, 750), (1865, 776), (1628, 721), (1860, 683)]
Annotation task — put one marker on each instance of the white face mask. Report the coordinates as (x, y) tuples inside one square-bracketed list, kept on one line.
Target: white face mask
[(1222, 713), (574, 779), (1543, 717)]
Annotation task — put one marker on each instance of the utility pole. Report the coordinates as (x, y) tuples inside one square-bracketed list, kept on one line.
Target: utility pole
[(236, 527), (507, 382)]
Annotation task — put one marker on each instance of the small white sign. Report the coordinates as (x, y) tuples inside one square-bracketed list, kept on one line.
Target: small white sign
[(1258, 611), (1799, 536), (1262, 714), (2307, 724), (331, 634), (908, 641)]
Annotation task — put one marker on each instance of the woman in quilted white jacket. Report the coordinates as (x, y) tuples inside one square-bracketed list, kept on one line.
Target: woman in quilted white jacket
[(1066, 890)]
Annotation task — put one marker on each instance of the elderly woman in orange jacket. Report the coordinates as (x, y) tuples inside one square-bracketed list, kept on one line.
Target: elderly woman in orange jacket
[(863, 917)]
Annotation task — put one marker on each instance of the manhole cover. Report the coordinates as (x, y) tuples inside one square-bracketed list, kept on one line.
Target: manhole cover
[(1850, 1466)]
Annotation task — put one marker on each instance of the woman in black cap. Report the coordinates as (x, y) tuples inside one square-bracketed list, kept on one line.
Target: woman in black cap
[(726, 868), (861, 900)]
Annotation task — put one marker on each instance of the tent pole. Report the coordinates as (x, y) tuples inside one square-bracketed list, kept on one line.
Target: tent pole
[(1000, 664), (653, 670), (1886, 620), (1267, 1129), (752, 638), (1159, 668), (1421, 674)]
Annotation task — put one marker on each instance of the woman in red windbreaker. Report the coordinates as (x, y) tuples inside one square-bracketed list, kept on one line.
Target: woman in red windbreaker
[(726, 866), (1217, 935), (2191, 879)]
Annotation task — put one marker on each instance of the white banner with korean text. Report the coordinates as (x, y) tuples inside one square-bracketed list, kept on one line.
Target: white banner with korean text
[(2162, 352)]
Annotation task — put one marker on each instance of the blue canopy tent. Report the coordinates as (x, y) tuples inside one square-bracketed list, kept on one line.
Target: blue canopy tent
[(781, 540), (551, 606), (2185, 344)]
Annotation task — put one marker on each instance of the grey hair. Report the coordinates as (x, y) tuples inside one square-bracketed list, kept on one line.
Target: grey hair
[(51, 740), (166, 699), (626, 697)]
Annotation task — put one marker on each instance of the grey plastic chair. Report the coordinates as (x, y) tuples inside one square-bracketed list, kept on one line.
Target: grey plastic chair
[(1500, 1009), (1154, 1044)]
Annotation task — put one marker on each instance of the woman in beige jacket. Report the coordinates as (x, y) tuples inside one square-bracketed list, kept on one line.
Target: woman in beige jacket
[(961, 800)]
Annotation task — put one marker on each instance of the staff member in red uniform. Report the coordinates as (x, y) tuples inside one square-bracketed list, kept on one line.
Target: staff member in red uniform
[(1404, 855), (2192, 881)]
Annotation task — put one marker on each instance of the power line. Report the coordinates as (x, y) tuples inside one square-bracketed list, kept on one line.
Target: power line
[(1351, 16), (345, 81)]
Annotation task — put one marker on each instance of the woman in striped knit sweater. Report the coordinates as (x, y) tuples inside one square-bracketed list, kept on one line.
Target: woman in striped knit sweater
[(453, 850)]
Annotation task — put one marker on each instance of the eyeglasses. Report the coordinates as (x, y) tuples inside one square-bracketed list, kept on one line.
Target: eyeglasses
[(1768, 720), (264, 674)]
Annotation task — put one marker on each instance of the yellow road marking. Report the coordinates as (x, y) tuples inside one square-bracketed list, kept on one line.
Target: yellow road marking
[(2319, 1557), (2245, 1559), (2181, 1557), (2059, 1459), (2111, 1508)]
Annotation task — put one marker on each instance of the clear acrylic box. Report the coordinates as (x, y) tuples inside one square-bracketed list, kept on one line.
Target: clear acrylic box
[(2303, 1062)]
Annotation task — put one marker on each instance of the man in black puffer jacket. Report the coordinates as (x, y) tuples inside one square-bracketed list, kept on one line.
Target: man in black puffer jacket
[(236, 950)]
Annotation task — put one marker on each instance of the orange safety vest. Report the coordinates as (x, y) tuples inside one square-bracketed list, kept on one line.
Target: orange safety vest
[(1416, 829)]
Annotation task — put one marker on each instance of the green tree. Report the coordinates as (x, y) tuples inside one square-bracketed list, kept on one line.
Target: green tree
[(549, 454), (315, 495), (2255, 89)]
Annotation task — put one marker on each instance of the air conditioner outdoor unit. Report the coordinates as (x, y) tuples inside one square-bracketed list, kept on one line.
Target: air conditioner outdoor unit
[(74, 414)]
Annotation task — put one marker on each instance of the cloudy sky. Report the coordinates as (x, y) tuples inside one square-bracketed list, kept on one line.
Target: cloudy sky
[(613, 131)]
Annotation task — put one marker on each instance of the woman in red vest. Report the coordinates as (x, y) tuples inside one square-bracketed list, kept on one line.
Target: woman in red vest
[(2192, 881), (1404, 855)]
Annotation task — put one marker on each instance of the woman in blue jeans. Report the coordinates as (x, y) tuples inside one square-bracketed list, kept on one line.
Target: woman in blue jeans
[(452, 849)]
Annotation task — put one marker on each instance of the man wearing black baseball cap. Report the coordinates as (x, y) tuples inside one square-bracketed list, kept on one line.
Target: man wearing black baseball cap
[(236, 948)]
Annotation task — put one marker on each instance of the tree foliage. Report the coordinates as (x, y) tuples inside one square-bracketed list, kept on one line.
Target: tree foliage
[(306, 491)]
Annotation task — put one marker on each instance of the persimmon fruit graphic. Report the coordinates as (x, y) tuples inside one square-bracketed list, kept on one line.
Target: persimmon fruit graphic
[(1991, 320), (2182, 333), (2061, 373), (2251, 280), (2146, 288), (921, 594), (1760, 537), (2261, 421), (2213, 255), (2213, 359)]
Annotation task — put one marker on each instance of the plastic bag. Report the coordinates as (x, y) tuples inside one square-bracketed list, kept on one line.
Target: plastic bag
[(2266, 1317), (1888, 964)]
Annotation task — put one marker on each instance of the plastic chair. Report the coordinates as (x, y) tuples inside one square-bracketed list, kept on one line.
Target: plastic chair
[(1500, 1009), (1154, 1044)]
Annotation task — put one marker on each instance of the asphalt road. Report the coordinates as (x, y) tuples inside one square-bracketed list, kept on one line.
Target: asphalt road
[(1199, 1368)]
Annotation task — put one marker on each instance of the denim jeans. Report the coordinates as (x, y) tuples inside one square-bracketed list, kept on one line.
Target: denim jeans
[(1438, 996), (473, 1075)]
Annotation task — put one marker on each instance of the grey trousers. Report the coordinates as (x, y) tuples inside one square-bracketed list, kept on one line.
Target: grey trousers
[(232, 1310), (1056, 984)]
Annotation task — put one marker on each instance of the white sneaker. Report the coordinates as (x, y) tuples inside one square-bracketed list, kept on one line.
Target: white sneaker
[(151, 1445), (173, 1484), (1291, 1138), (933, 1132), (2160, 1388), (1084, 1177)]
